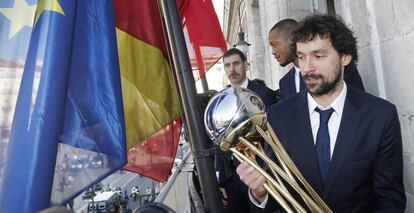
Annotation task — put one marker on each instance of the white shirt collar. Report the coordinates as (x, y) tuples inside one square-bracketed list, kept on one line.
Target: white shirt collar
[(337, 104), (297, 79), (297, 70), (244, 84)]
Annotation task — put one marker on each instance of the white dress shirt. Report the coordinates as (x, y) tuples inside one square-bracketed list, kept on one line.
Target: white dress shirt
[(333, 126), (334, 120), (297, 79), (245, 83)]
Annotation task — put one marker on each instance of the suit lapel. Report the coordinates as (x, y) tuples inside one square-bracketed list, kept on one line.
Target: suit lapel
[(302, 148), (253, 87), (292, 84), (347, 130)]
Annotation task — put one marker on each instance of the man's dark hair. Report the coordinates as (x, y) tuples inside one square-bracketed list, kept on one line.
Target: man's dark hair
[(233, 51), (286, 26), (326, 26)]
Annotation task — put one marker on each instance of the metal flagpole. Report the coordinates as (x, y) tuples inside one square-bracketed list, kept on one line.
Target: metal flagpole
[(200, 144)]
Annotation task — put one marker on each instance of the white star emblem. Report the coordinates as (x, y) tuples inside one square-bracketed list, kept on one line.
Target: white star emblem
[(20, 15)]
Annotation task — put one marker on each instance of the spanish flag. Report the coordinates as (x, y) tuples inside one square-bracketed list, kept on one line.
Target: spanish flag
[(151, 105)]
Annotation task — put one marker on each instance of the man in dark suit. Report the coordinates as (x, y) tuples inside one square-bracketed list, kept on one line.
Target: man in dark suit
[(235, 66), (349, 148), (284, 51)]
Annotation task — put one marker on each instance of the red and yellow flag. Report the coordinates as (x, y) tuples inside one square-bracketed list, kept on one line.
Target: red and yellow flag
[(151, 105)]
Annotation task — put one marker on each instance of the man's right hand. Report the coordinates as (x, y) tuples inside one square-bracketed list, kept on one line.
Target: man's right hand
[(254, 180)]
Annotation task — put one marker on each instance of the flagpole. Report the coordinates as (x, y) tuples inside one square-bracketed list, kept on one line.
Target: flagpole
[(200, 144)]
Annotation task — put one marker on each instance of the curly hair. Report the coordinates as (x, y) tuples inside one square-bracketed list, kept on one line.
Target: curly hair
[(326, 26)]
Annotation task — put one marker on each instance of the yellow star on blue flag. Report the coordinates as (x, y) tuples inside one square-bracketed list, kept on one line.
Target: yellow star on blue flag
[(48, 5)]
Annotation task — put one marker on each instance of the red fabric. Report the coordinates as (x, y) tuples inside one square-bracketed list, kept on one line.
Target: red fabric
[(142, 20), (198, 18), (155, 156), (203, 27)]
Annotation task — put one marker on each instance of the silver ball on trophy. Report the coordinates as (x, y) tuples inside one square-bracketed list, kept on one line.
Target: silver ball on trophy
[(231, 113)]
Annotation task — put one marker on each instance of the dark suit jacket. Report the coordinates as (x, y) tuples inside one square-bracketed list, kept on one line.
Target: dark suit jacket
[(366, 170), (268, 96), (287, 82), (352, 77)]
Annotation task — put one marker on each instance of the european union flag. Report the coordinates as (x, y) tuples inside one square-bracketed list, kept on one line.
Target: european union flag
[(68, 127)]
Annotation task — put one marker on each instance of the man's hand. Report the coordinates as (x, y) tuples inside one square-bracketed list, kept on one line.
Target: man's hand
[(254, 180)]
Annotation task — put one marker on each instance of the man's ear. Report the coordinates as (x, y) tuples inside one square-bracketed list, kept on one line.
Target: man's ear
[(246, 65), (346, 59)]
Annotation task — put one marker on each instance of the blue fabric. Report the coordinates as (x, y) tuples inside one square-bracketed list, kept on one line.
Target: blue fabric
[(69, 108), (287, 84), (323, 142)]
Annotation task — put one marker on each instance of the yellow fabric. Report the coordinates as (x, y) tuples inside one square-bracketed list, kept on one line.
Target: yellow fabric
[(148, 90)]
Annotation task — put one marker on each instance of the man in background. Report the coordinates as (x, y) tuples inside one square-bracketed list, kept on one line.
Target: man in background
[(235, 66), (235, 191)]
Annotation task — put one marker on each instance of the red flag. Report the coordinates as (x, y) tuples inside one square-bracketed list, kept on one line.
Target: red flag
[(205, 40), (151, 107)]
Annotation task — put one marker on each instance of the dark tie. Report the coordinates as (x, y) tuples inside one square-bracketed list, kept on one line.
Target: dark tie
[(323, 142)]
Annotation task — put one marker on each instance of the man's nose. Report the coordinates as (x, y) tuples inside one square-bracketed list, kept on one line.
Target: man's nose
[(273, 51), (306, 65)]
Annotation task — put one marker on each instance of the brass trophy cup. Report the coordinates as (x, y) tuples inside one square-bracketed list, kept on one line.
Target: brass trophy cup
[(235, 120)]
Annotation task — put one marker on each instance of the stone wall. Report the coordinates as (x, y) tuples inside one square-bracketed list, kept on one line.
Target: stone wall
[(385, 31)]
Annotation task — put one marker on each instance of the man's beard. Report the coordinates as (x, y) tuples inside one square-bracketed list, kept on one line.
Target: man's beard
[(286, 62), (326, 86)]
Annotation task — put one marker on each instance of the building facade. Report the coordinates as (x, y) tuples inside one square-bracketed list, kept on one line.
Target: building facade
[(385, 33)]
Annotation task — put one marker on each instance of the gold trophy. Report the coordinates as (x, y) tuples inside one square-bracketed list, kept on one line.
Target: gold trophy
[(236, 121)]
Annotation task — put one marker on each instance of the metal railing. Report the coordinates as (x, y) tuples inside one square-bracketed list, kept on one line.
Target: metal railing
[(179, 193)]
